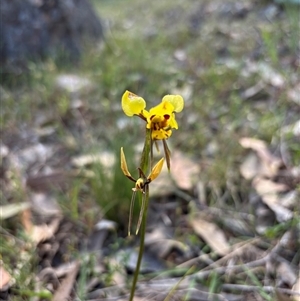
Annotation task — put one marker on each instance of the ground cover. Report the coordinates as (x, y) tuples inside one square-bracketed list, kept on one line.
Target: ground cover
[(223, 225)]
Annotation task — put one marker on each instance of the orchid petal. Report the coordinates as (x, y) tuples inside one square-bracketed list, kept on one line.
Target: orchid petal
[(176, 100), (132, 104)]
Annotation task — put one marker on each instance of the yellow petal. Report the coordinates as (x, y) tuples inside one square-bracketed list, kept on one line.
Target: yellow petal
[(124, 164), (176, 100), (146, 114), (173, 123), (161, 109), (160, 134), (156, 170), (132, 104)]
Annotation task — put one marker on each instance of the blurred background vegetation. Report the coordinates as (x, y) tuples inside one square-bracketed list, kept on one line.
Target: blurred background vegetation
[(235, 63)]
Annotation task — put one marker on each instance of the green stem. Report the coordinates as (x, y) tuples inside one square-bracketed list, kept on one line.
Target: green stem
[(142, 246), (146, 153), (144, 166)]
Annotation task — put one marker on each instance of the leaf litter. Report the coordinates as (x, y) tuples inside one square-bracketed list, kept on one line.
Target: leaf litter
[(195, 235)]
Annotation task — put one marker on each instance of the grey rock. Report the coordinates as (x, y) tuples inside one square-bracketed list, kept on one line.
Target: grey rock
[(34, 29)]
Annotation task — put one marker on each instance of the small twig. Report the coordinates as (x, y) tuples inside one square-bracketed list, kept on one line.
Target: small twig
[(203, 274), (114, 291), (195, 260), (239, 248), (251, 288), (236, 268)]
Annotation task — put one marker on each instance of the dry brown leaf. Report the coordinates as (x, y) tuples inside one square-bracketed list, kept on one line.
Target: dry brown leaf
[(286, 276), (4, 278), (253, 143), (282, 297), (250, 167), (163, 185), (290, 199), (253, 90), (265, 187), (159, 243), (165, 247), (268, 191), (296, 288), (184, 171), (26, 221), (162, 246), (39, 233), (10, 210), (212, 234), (65, 289), (158, 233), (269, 163), (43, 232)]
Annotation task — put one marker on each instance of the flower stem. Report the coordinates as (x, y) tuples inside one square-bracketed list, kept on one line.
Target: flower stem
[(144, 166), (142, 246), (146, 152)]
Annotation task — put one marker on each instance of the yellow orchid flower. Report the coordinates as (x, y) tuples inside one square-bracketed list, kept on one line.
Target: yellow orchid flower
[(141, 184), (159, 119)]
